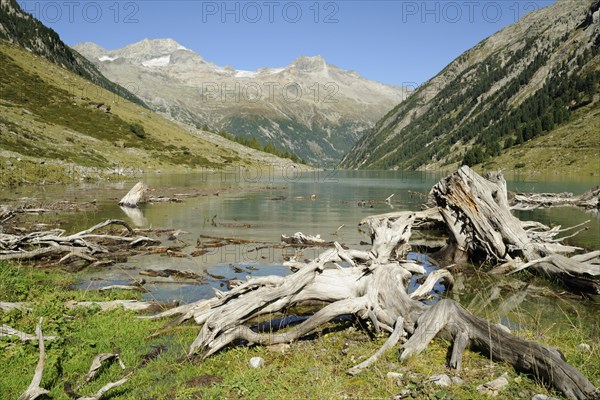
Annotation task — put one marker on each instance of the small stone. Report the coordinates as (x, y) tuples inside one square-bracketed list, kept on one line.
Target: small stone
[(543, 397), (457, 381), (279, 348), (442, 380), (493, 387), (257, 362), (404, 393), (394, 375), (584, 347)]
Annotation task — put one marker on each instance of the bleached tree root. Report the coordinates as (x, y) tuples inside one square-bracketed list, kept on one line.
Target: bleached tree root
[(95, 367), (301, 238), (372, 286), (7, 306), (128, 305), (105, 389), (394, 338), (468, 331)]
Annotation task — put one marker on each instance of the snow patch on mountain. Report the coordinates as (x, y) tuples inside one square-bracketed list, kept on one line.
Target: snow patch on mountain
[(245, 74), (158, 61)]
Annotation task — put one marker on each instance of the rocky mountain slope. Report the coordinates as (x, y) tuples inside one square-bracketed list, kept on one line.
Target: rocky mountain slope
[(525, 82), (312, 108), (21, 28), (56, 126)]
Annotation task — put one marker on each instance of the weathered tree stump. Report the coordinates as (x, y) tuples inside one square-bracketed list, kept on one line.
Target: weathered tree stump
[(373, 286), (482, 227), (134, 196)]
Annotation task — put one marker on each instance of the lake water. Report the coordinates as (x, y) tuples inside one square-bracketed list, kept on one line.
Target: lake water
[(261, 205)]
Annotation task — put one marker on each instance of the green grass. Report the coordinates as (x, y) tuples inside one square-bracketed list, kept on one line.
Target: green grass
[(308, 369), (572, 148)]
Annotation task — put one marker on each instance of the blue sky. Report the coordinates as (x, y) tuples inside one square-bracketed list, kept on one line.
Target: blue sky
[(395, 42)]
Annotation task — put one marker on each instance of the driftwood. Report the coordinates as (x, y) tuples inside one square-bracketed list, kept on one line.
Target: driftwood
[(7, 331), (167, 273), (482, 228), (589, 200), (104, 389), (129, 305), (54, 244), (371, 286), (94, 369), (136, 288), (301, 238), (35, 390), (164, 199), (8, 212), (97, 365), (429, 218), (5, 306), (134, 196)]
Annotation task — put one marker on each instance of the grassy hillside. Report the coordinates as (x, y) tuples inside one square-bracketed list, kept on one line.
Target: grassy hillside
[(573, 148), (19, 27), (53, 121)]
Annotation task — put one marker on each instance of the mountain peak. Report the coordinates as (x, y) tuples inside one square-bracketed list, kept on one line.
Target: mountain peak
[(309, 63), (164, 43), (153, 47), (89, 47)]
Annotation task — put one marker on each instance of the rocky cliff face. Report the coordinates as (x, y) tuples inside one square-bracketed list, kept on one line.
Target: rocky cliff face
[(310, 107), (519, 84)]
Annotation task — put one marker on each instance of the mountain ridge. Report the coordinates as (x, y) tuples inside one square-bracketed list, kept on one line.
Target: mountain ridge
[(315, 109)]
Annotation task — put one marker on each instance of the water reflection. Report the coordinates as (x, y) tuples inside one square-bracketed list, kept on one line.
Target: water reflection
[(135, 215)]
